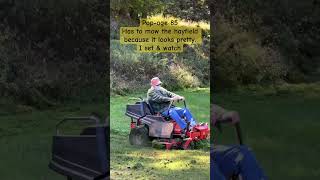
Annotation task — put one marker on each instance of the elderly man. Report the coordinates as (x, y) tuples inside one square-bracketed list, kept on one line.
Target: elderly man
[(160, 98), (236, 160)]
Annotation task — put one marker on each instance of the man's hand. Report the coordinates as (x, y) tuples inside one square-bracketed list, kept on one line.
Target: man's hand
[(175, 98)]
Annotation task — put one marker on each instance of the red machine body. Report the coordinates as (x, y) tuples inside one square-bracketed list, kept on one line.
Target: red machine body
[(180, 140)]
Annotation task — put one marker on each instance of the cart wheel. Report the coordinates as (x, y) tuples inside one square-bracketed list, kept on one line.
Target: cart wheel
[(139, 136)]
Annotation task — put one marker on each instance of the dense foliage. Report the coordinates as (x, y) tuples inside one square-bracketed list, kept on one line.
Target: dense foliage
[(265, 41), (253, 42), (131, 71), (52, 50)]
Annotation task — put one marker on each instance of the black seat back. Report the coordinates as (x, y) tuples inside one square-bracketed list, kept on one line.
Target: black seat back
[(139, 109), (150, 104), (82, 156), (135, 110), (147, 108)]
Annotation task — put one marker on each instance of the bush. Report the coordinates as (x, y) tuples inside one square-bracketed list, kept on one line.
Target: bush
[(52, 51), (240, 59), (131, 71), (183, 77)]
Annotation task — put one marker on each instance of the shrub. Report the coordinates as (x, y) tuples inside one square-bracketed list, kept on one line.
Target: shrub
[(52, 51), (132, 71), (183, 77), (240, 59)]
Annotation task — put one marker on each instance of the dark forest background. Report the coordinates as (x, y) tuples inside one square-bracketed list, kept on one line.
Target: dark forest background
[(265, 42), (266, 65), (53, 51)]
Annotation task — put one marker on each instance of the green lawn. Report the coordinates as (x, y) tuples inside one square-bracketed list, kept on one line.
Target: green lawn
[(25, 141), (283, 131), (129, 162)]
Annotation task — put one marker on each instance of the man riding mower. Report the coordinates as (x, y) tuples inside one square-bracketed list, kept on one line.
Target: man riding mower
[(157, 119), (236, 162)]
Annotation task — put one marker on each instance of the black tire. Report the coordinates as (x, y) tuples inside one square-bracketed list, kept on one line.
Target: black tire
[(139, 136)]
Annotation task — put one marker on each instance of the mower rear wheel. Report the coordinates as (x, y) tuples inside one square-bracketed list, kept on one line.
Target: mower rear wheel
[(139, 136)]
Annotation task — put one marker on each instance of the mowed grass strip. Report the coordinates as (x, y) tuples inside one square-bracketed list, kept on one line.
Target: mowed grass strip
[(130, 162)]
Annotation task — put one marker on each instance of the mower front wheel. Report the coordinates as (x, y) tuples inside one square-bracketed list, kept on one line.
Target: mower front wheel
[(139, 136)]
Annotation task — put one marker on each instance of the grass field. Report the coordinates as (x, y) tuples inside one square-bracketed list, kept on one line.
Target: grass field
[(283, 130), (25, 140), (129, 162)]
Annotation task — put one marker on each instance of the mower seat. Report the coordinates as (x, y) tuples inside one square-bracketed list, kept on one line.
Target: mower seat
[(84, 156), (149, 107), (139, 109), (147, 110)]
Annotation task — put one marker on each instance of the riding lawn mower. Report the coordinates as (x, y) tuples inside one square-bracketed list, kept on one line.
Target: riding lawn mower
[(148, 126)]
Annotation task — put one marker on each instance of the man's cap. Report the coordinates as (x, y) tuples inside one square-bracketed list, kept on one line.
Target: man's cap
[(155, 81)]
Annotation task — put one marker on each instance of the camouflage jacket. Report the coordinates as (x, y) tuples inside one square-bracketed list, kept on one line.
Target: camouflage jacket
[(159, 99)]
